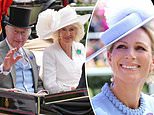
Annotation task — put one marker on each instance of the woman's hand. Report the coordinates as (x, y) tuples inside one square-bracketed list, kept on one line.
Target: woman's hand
[(73, 88)]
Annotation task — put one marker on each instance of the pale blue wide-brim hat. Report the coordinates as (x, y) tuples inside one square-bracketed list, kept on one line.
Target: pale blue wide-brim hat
[(123, 17)]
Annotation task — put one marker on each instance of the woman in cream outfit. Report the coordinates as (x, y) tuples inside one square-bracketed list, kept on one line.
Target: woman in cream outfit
[(63, 60)]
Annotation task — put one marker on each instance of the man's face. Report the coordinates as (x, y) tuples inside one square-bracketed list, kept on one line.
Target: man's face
[(17, 36)]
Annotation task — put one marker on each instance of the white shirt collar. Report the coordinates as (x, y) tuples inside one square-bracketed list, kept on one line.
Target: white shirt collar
[(20, 49)]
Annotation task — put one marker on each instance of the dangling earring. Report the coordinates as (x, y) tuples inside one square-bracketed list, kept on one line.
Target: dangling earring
[(111, 79)]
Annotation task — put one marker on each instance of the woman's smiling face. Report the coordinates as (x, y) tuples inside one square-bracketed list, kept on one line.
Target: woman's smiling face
[(68, 34), (131, 57)]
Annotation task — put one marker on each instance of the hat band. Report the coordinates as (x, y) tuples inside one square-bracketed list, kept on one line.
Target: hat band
[(121, 28)]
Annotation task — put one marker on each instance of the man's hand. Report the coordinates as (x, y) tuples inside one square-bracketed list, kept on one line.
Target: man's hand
[(9, 60)]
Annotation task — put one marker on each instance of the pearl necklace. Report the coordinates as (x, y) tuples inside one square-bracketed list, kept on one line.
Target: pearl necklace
[(120, 106)]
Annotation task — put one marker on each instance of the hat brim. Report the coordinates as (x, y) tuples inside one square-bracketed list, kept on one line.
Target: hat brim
[(118, 36), (6, 22), (80, 19)]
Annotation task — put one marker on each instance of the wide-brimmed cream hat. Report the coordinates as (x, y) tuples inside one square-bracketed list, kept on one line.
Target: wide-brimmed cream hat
[(49, 21), (124, 17)]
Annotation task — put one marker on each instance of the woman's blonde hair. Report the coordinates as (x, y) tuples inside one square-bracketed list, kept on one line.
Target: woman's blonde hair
[(79, 36), (149, 28), (150, 31)]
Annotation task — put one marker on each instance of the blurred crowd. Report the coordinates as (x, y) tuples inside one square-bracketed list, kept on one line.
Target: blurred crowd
[(97, 25), (83, 1)]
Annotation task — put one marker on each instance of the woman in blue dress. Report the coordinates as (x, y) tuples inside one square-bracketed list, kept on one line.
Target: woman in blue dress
[(130, 45)]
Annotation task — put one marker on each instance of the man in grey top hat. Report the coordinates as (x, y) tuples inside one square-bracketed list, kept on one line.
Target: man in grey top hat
[(18, 68)]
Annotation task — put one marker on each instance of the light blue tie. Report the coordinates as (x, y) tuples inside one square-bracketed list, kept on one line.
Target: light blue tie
[(24, 62)]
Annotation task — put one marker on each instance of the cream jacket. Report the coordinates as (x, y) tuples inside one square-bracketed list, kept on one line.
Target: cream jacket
[(60, 73)]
